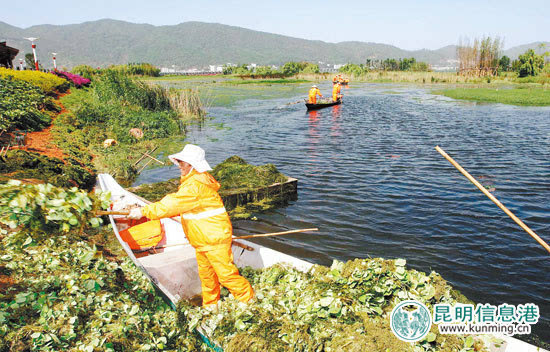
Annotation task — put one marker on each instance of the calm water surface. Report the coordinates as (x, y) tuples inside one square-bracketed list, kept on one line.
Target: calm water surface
[(371, 180)]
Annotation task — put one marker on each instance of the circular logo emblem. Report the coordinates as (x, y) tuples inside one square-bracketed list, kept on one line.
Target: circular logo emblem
[(410, 321)]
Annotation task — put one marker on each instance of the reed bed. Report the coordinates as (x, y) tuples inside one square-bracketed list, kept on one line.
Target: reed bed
[(411, 77), (186, 102)]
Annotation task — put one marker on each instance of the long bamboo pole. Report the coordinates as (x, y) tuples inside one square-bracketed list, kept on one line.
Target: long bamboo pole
[(496, 201), (241, 238), (275, 233), (105, 212)]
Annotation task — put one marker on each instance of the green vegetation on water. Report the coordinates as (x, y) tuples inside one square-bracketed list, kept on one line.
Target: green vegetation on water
[(236, 174), (266, 81), (514, 96)]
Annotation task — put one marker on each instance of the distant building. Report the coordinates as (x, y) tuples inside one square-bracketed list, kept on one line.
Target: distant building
[(167, 70), (215, 68), (7, 54)]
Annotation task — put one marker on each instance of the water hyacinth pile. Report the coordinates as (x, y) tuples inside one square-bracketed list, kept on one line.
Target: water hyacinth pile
[(59, 292), (43, 208), (342, 308), (66, 296), (75, 79)]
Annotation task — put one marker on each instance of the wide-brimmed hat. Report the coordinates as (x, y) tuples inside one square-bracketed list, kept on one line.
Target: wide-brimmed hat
[(192, 154), (314, 86)]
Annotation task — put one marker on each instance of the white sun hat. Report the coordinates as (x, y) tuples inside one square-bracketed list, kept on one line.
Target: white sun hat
[(191, 154)]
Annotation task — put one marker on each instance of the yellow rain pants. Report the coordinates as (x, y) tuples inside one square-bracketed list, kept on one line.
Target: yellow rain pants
[(208, 229), (335, 92), (216, 267)]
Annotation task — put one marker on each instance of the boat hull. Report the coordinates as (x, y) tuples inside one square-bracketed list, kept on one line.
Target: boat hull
[(322, 106)]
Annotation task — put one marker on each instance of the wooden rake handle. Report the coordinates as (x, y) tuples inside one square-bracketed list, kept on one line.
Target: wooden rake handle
[(105, 212)]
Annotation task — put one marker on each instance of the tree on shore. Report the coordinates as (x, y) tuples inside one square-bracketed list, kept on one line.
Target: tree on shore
[(504, 63), (480, 58), (530, 64)]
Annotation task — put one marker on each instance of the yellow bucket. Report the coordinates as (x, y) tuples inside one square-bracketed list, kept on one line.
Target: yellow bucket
[(145, 235)]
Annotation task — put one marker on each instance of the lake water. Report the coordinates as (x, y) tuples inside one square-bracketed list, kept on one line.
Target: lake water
[(371, 180)]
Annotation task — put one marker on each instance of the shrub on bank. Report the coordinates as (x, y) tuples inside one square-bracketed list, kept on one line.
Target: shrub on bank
[(137, 69), (49, 83), (113, 105), (22, 106), (85, 71), (115, 86), (75, 80)]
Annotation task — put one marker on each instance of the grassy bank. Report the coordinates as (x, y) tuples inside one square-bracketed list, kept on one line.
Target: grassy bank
[(113, 107), (528, 96)]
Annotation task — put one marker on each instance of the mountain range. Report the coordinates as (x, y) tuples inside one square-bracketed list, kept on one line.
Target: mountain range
[(199, 44)]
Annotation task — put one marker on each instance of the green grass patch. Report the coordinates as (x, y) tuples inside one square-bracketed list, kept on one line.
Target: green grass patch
[(513, 96)]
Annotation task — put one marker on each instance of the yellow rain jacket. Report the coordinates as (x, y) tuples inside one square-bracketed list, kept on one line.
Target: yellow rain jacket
[(335, 92), (209, 230), (313, 92)]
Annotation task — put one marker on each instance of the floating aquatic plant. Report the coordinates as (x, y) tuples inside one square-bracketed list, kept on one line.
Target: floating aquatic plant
[(347, 304)]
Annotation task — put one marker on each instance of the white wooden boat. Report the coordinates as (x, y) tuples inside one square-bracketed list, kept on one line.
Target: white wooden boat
[(173, 270)]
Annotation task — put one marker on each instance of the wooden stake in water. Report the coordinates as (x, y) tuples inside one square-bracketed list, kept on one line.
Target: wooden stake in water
[(496, 201)]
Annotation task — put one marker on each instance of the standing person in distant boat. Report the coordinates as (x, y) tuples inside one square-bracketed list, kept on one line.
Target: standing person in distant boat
[(313, 92), (336, 91), (205, 223)]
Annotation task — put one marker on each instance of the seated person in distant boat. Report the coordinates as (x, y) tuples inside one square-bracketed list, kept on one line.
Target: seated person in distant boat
[(205, 223), (313, 92), (336, 92)]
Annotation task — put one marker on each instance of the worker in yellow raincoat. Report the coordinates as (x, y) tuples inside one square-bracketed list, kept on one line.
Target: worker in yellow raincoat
[(313, 92), (206, 224), (336, 91)]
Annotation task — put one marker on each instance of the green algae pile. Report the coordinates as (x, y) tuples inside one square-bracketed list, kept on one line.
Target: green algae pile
[(236, 176), (20, 164), (344, 307), (234, 173)]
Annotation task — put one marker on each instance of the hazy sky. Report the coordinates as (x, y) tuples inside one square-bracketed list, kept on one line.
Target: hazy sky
[(413, 24)]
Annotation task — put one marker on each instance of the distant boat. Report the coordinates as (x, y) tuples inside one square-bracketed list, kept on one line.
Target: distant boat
[(322, 105)]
